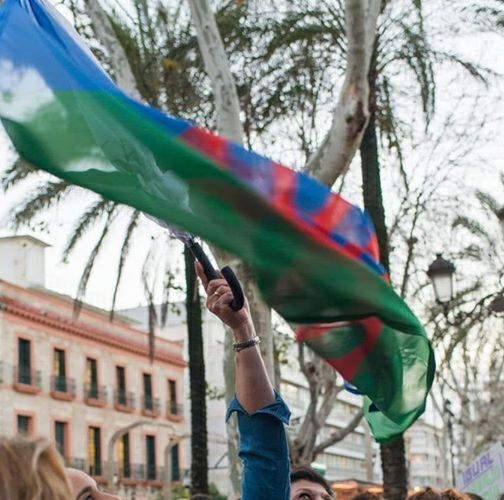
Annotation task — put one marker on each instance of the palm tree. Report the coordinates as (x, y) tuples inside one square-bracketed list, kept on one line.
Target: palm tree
[(273, 90), (199, 442)]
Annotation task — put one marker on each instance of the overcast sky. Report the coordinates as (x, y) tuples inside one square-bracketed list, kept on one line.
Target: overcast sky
[(64, 277)]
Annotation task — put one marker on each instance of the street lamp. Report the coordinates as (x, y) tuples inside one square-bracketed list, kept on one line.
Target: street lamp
[(441, 273)]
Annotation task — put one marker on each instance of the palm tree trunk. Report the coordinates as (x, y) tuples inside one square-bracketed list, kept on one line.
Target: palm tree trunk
[(392, 454), (197, 381)]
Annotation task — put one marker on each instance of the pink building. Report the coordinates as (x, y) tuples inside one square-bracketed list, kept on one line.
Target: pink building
[(81, 381)]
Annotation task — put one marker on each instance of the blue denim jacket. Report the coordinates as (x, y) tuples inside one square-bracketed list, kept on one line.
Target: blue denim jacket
[(263, 450)]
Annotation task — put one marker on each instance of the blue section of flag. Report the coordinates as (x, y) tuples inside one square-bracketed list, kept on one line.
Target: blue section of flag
[(310, 195)]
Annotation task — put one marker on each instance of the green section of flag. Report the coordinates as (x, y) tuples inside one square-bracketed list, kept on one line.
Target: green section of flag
[(99, 141)]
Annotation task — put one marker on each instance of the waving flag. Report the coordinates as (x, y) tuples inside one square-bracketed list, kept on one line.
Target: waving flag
[(314, 255)]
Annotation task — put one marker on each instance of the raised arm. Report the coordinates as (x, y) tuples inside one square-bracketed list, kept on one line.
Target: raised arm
[(261, 413), (253, 387)]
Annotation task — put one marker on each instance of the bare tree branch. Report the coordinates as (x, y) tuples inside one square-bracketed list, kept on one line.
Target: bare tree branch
[(340, 434), (217, 67), (124, 76), (351, 114)]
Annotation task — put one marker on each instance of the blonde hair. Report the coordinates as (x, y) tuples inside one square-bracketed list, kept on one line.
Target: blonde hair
[(31, 469)]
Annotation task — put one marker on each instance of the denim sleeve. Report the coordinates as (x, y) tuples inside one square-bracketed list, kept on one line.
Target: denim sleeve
[(263, 450)]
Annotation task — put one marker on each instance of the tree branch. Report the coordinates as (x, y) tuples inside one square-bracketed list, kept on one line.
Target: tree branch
[(352, 111), (216, 64), (104, 32), (340, 434)]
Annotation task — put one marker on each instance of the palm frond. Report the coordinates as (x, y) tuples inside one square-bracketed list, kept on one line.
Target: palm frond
[(151, 311), (389, 127), (471, 225), (17, 172), (86, 273), (86, 221), (472, 251), (133, 224), (415, 54), (488, 201), (48, 195), (163, 310)]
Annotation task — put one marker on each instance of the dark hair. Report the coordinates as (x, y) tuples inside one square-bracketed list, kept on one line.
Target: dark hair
[(366, 495), (473, 496), (308, 474), (430, 494)]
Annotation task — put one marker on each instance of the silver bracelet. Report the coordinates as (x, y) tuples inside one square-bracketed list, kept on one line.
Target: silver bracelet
[(239, 346)]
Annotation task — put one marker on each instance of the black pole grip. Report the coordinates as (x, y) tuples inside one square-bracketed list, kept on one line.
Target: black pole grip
[(211, 274), (202, 258), (238, 297)]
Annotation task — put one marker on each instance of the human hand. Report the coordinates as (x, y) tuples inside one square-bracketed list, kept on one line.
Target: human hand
[(219, 297)]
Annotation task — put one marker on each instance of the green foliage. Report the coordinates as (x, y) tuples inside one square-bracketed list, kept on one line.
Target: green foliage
[(215, 493), (180, 492)]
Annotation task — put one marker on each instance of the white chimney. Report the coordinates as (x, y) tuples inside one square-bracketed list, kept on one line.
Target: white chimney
[(22, 261)]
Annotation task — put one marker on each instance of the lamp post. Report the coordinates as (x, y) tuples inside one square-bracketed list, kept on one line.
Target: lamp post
[(450, 416)]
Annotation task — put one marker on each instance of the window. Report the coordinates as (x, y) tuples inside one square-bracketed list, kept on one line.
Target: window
[(121, 385), (92, 378), (150, 450), (94, 451), (24, 362), (59, 371), (123, 446), (172, 394), (60, 437), (24, 424), (147, 386), (175, 466)]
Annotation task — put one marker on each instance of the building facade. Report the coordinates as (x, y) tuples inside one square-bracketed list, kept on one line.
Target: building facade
[(427, 462), (355, 456), (87, 383)]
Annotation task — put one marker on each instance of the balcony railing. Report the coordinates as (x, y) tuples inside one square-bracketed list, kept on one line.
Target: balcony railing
[(76, 463), (174, 409), (146, 472), (124, 399), (93, 469), (24, 377), (150, 405), (63, 385), (95, 394), (124, 471)]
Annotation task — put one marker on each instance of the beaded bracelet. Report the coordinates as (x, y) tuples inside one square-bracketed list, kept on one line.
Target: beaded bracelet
[(239, 346)]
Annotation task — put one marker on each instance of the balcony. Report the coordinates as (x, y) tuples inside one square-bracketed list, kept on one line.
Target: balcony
[(151, 407), (174, 411), (95, 395), (147, 473), (62, 388), (97, 469), (124, 401), (26, 380)]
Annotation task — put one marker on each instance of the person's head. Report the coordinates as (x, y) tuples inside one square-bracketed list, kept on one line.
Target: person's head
[(31, 469), (306, 484), (473, 496), (84, 487), (367, 496), (430, 494)]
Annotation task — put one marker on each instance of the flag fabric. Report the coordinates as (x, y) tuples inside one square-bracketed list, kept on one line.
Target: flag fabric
[(314, 255)]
